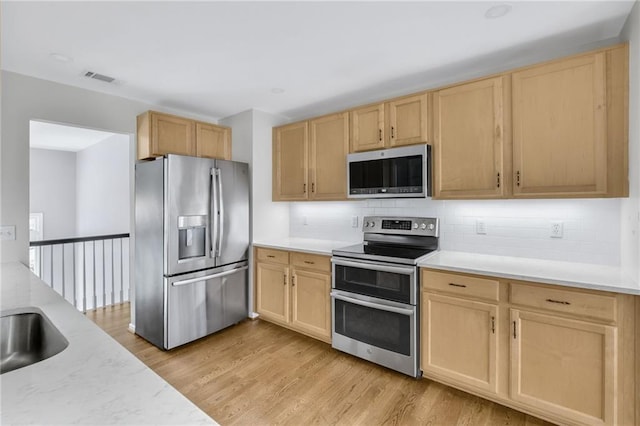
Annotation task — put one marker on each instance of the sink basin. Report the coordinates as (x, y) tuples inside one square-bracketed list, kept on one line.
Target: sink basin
[(27, 336)]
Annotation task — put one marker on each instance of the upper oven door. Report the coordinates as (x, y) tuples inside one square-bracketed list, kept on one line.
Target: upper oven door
[(376, 279), (389, 173)]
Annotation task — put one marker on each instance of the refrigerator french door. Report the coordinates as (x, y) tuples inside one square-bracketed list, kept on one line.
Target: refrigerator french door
[(191, 225)]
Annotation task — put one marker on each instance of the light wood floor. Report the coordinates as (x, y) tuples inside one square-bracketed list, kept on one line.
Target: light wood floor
[(256, 373)]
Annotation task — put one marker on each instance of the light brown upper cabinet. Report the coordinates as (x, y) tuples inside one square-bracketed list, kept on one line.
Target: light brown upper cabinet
[(470, 140), (407, 120), (329, 139), (290, 162), (213, 141), (559, 128), (159, 134), (398, 122), (309, 159)]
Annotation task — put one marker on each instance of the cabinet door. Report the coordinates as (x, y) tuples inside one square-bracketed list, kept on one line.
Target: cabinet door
[(290, 159), (367, 128), (566, 367), (407, 120), (329, 142), (311, 305), (559, 129), (172, 135), (272, 292), (213, 141), (459, 340), (469, 140)]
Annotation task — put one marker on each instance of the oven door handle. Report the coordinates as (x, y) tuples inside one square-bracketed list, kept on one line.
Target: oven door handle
[(402, 311), (409, 270)]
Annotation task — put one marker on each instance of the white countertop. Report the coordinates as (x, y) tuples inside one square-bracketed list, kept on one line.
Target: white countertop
[(581, 275), (306, 245), (93, 381)]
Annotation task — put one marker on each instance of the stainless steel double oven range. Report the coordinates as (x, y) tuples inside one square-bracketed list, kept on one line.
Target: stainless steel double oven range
[(375, 291)]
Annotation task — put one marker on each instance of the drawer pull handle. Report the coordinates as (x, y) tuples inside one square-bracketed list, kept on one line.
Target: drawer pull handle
[(309, 262), (493, 325), (271, 256), (561, 302), (457, 285), (514, 330)]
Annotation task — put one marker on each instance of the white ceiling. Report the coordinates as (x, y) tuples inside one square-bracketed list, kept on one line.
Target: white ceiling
[(45, 135), (220, 58)]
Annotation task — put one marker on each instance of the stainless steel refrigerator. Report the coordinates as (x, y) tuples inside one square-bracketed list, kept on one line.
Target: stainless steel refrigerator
[(191, 247)]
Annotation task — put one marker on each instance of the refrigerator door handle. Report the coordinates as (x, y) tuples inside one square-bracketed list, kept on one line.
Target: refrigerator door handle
[(221, 215), (213, 214), (209, 277)]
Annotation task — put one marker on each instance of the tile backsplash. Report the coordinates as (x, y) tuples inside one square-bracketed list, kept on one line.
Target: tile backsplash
[(590, 227)]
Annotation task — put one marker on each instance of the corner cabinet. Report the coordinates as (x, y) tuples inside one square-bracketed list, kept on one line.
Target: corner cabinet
[(398, 122), (309, 159), (471, 139), (159, 134), (563, 354), (292, 290)]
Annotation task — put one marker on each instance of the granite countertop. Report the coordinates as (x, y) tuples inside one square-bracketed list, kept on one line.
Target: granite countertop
[(570, 274), (93, 381), (306, 245)]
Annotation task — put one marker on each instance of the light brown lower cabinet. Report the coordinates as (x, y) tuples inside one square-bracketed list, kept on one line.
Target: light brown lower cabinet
[(562, 354), (292, 290), (460, 340)]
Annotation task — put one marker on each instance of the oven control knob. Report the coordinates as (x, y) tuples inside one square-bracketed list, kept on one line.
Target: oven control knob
[(423, 226), (372, 224), (415, 225), (431, 227)]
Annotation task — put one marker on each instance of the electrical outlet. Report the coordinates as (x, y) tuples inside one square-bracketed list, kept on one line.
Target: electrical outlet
[(8, 232), (556, 230), (481, 226), (354, 221)]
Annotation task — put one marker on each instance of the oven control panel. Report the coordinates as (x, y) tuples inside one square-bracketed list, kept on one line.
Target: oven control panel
[(427, 226)]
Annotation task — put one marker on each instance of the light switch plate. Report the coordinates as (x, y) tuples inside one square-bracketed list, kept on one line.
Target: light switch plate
[(354, 221), (8, 232)]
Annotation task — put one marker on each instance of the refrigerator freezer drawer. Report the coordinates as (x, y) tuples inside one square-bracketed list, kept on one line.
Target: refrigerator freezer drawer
[(203, 303)]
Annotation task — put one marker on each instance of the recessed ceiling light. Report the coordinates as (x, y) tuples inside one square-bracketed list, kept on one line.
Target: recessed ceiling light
[(60, 57), (497, 11), (277, 90)]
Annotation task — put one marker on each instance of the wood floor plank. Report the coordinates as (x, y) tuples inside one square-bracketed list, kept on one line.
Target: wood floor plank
[(257, 373)]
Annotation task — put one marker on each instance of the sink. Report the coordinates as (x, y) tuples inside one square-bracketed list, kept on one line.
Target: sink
[(27, 336)]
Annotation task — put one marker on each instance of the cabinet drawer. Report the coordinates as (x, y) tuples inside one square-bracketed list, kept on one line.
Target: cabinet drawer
[(600, 306), (271, 255), (462, 285), (311, 261)]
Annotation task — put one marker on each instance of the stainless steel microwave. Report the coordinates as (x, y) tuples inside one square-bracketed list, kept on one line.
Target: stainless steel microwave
[(403, 172)]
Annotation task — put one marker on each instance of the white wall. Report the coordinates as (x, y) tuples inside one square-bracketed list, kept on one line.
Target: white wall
[(52, 191), (102, 187), (630, 208), (514, 227), (26, 98), (251, 138)]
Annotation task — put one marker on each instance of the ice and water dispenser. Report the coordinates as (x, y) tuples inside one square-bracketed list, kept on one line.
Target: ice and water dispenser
[(192, 237)]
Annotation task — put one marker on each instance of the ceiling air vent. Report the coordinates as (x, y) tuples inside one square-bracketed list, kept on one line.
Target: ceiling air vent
[(101, 77)]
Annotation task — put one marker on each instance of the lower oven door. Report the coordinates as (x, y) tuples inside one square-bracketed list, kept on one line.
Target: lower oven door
[(379, 331)]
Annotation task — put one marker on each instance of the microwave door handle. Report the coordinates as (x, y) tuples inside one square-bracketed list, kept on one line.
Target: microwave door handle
[(401, 311), (221, 215)]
